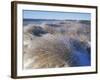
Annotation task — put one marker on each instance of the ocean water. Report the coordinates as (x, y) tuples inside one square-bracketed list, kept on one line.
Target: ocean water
[(37, 21)]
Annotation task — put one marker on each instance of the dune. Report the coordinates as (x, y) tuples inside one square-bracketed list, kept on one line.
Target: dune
[(47, 46)]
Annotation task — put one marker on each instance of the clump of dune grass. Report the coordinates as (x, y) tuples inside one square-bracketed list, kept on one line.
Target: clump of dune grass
[(56, 47), (50, 51)]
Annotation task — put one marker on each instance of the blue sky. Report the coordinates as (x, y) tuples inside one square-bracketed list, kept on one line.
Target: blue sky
[(28, 14)]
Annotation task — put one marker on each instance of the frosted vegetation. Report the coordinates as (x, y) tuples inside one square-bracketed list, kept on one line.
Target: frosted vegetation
[(57, 44)]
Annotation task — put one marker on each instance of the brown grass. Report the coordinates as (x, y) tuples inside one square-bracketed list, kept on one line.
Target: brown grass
[(53, 49)]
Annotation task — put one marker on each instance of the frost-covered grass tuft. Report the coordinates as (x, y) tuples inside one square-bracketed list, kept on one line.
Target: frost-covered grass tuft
[(62, 44)]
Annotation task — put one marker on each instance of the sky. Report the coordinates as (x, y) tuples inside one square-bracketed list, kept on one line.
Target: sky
[(29, 14)]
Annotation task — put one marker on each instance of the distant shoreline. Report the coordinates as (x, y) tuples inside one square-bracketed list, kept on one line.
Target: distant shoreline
[(38, 21), (52, 20)]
